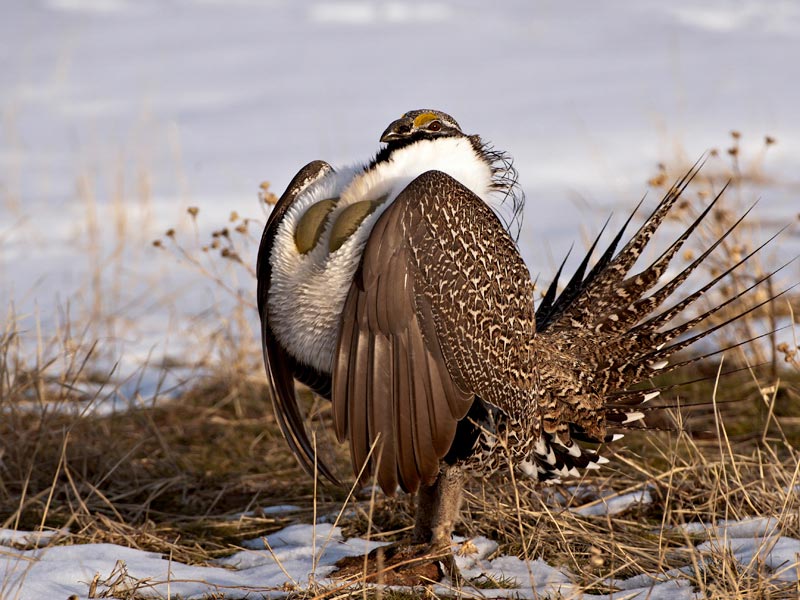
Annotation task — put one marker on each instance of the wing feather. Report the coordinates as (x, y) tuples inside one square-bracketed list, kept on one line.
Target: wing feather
[(358, 387), (422, 398), (281, 369), (344, 347), (411, 304), (405, 421)]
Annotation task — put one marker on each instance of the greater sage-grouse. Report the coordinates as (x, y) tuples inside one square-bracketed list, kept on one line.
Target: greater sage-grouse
[(395, 290)]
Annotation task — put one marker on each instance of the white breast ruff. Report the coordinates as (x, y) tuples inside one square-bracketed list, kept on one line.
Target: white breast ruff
[(308, 291)]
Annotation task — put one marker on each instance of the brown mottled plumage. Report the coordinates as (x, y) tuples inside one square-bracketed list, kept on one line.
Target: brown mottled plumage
[(442, 363), (426, 313)]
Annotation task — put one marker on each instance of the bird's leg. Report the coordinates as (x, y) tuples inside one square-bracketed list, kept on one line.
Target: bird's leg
[(426, 506), (446, 508), (437, 511), (437, 508)]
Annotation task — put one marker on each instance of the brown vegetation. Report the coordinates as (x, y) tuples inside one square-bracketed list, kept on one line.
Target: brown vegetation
[(187, 473)]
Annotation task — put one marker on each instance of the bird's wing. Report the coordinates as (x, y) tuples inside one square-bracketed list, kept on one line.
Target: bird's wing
[(439, 311), (279, 365)]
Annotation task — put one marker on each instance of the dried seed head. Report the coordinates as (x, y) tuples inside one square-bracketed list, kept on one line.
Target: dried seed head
[(467, 548), (733, 150), (265, 195), (713, 152), (170, 233), (658, 180), (242, 228), (596, 558), (769, 140), (158, 244), (735, 134), (234, 216), (193, 210), (230, 255), (719, 215)]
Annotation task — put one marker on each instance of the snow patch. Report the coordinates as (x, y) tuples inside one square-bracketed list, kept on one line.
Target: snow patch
[(780, 554), (303, 555), (598, 502), (729, 17), (534, 578), (100, 7), (368, 13), (298, 555), (753, 527), (10, 537), (614, 504)]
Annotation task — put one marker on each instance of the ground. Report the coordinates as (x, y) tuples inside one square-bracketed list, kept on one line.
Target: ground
[(201, 492)]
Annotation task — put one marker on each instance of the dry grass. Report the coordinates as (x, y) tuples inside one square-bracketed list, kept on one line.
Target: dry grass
[(168, 478), (175, 474), (176, 477)]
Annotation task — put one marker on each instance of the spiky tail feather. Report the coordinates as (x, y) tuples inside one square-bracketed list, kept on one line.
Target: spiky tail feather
[(607, 322)]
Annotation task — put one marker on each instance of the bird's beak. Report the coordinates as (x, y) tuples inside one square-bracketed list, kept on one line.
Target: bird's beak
[(397, 130)]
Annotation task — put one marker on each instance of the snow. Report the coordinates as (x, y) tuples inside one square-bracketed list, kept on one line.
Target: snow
[(298, 555), (778, 553), (63, 570), (750, 541), (730, 17), (590, 501), (118, 115), (302, 555), (755, 527), (281, 508), (367, 13), (612, 503), (10, 537)]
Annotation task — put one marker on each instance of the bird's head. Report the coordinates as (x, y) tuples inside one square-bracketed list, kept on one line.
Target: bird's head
[(423, 124), (428, 124)]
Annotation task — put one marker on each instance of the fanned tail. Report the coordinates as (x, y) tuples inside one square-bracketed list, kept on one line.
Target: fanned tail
[(586, 298), (606, 332)]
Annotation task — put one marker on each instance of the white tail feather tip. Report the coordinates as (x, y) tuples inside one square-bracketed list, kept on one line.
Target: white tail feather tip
[(633, 416), (650, 396)]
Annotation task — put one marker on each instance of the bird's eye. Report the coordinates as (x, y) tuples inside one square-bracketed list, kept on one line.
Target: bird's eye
[(434, 126)]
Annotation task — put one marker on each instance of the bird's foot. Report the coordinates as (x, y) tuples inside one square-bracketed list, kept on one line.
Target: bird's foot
[(447, 561), (401, 563)]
